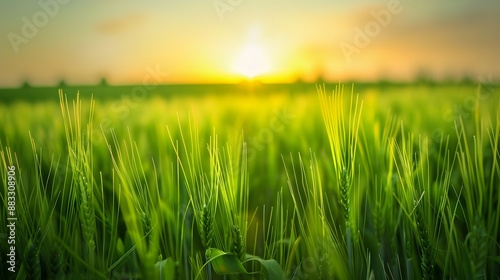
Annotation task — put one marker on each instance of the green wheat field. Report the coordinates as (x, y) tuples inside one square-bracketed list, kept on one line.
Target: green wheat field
[(251, 181)]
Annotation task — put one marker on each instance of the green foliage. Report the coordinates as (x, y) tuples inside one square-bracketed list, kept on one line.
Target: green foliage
[(396, 184)]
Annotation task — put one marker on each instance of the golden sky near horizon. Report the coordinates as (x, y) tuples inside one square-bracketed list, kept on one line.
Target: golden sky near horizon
[(229, 40)]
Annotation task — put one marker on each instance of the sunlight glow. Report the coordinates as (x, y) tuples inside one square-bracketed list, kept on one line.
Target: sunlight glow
[(252, 61)]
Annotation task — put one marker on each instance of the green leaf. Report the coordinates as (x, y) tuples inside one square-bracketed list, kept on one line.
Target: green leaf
[(228, 263), (495, 258), (271, 268), (120, 247), (166, 268), (224, 263)]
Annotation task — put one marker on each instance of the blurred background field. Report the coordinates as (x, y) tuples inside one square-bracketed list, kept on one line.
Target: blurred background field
[(274, 120)]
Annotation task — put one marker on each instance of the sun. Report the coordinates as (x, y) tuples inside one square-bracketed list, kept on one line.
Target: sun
[(252, 61)]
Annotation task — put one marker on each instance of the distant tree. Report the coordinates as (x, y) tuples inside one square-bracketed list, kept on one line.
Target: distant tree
[(25, 84), (384, 81), (103, 82), (62, 83), (320, 79), (299, 80), (424, 77), (467, 79), (320, 75)]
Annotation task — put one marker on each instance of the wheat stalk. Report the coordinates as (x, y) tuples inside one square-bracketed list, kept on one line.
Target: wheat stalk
[(238, 246), (344, 195), (57, 263), (478, 246), (425, 247), (87, 217), (206, 227), (32, 261)]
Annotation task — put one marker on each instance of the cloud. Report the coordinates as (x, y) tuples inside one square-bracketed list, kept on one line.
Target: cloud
[(122, 24), (445, 42), (471, 34)]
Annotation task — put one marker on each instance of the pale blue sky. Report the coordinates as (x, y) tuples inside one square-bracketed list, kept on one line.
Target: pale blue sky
[(85, 40)]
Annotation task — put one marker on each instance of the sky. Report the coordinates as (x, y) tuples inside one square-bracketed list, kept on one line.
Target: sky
[(225, 41)]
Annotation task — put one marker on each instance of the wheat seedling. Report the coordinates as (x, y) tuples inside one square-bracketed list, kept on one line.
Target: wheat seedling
[(342, 130), (80, 150)]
